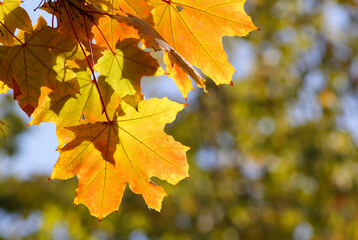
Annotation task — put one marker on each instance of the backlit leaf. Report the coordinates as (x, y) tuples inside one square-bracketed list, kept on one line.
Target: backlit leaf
[(107, 155), (195, 29), (124, 68), (178, 67), (12, 16), (39, 60)]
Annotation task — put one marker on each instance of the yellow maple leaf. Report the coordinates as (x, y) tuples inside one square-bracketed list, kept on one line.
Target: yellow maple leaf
[(107, 155), (195, 29), (12, 16)]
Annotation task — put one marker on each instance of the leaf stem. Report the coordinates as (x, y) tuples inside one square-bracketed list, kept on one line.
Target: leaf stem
[(104, 109), (11, 33), (110, 48)]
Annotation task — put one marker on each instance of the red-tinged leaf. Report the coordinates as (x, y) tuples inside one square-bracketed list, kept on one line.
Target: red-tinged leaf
[(39, 60), (107, 155), (12, 16), (195, 29)]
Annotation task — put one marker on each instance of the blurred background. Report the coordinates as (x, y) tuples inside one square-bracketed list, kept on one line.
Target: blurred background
[(273, 157)]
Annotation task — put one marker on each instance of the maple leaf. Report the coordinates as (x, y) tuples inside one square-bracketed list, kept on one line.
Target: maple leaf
[(3, 88), (3, 52), (75, 109), (124, 68), (12, 16), (107, 155), (138, 8), (195, 29), (84, 75), (37, 60), (119, 78), (109, 31), (102, 4), (73, 20), (178, 67)]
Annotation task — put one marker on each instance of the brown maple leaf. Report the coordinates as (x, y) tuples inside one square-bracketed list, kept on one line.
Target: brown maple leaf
[(38, 59), (12, 16)]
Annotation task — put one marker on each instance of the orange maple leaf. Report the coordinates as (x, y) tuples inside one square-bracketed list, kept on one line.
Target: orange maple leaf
[(177, 66), (107, 155), (109, 31), (138, 8), (195, 29)]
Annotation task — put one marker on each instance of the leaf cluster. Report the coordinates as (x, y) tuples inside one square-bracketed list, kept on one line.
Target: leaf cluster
[(85, 75)]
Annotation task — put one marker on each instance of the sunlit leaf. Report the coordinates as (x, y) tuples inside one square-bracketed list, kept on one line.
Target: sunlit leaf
[(107, 155), (124, 68), (12, 16), (195, 29), (38, 60)]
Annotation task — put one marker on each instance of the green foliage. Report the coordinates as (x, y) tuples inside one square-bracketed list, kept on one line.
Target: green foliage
[(11, 124)]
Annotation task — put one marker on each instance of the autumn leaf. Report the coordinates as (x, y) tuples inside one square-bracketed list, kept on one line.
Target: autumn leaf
[(107, 155), (12, 16), (109, 31), (124, 68), (119, 78), (105, 5), (138, 8), (178, 67), (75, 109), (195, 29), (37, 60), (3, 88), (70, 22), (85, 75), (3, 52)]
